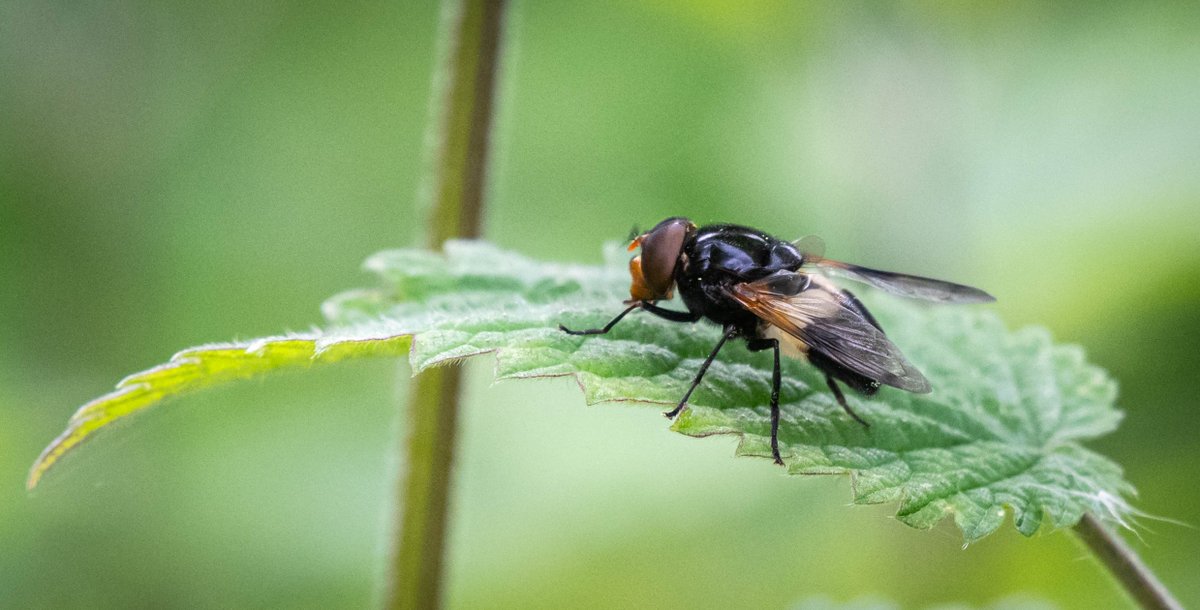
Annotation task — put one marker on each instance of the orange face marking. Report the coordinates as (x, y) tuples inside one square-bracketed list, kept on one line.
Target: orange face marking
[(638, 291)]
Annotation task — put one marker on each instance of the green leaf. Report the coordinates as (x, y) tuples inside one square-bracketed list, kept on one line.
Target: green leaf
[(201, 367), (1001, 430)]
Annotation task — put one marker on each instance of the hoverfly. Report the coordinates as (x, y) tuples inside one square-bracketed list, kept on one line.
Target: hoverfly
[(776, 296)]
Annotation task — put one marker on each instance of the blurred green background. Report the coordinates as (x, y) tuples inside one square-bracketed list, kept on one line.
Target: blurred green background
[(174, 173)]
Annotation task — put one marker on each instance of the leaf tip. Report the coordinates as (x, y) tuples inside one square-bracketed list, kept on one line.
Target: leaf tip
[(48, 457)]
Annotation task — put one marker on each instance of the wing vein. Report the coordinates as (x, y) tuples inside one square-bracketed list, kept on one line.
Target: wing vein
[(824, 319)]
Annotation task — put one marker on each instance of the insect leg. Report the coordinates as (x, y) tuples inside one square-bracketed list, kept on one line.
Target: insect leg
[(729, 332), (670, 314), (666, 314), (755, 345), (837, 393), (605, 329)]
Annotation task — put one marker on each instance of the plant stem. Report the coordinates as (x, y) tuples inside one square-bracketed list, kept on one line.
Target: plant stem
[(1111, 550), (471, 31), (416, 563), (470, 37)]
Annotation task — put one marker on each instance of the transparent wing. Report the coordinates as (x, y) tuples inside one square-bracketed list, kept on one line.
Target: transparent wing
[(824, 319), (911, 286), (901, 284)]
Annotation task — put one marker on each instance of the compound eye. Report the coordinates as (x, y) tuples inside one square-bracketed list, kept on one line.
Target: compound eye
[(661, 248)]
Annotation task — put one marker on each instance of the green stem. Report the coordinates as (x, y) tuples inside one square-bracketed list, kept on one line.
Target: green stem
[(1138, 581), (471, 40)]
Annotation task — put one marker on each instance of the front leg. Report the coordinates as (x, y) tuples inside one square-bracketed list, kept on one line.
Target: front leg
[(757, 345), (606, 328), (671, 314), (666, 314)]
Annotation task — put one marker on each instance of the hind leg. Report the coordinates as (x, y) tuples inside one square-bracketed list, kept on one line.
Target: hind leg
[(841, 399), (755, 345)]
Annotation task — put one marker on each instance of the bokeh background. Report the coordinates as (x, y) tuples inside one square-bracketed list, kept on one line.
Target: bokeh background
[(174, 173)]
